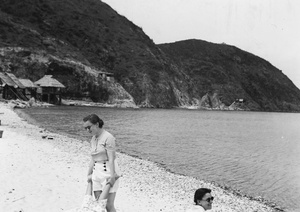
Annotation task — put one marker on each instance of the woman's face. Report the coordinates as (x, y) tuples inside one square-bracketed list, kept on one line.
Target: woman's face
[(91, 128), (206, 201)]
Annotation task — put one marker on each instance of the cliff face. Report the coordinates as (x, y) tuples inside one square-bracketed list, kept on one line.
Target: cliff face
[(74, 40)]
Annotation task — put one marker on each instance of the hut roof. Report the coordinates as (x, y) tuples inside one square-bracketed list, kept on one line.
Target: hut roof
[(107, 73), (48, 81), (28, 83), (16, 80), (7, 80)]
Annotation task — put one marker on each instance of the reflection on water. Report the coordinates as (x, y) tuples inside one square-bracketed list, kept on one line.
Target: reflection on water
[(254, 152)]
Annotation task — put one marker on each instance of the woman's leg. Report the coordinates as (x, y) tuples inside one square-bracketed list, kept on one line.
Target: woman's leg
[(105, 192), (110, 207), (100, 195)]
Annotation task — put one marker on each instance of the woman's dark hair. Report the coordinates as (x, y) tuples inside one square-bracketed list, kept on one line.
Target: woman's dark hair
[(94, 119), (199, 194)]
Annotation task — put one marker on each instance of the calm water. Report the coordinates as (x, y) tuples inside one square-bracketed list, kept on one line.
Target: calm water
[(254, 152)]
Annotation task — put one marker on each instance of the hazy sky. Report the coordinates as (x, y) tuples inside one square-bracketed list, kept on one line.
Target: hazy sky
[(267, 28)]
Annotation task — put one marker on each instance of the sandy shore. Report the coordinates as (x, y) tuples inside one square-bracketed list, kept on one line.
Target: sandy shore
[(41, 174)]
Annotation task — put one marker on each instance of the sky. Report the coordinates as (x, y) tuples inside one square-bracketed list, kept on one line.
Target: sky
[(269, 29)]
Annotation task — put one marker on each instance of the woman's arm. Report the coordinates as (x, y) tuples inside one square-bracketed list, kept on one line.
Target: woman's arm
[(110, 146), (111, 154), (90, 170), (105, 192)]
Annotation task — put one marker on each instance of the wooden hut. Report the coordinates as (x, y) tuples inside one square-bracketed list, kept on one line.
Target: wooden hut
[(30, 88), (11, 87), (110, 77), (49, 89), (107, 76)]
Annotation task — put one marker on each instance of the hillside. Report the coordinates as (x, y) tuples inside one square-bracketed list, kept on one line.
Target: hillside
[(234, 73), (74, 40), (90, 32)]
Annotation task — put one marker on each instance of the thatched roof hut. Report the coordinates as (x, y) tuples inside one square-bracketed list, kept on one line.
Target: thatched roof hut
[(28, 83), (16, 80), (49, 89), (6, 80), (30, 88), (11, 87), (48, 81)]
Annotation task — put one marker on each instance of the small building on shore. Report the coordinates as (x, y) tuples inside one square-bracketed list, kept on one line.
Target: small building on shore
[(240, 101), (11, 87), (30, 88), (49, 90), (107, 76)]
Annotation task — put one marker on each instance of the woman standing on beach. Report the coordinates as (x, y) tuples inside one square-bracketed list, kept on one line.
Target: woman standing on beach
[(103, 166)]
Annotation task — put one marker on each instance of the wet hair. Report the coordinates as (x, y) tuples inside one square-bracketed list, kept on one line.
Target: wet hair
[(94, 119), (199, 194)]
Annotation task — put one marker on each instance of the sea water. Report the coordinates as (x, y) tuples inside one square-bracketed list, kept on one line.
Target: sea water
[(256, 153)]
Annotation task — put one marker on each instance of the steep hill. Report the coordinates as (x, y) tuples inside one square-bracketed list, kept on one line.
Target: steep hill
[(234, 74), (75, 40), (90, 32)]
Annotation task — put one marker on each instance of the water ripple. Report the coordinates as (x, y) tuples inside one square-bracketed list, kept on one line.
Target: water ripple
[(256, 153)]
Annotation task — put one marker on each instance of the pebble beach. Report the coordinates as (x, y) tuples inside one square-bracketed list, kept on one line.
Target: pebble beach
[(45, 171)]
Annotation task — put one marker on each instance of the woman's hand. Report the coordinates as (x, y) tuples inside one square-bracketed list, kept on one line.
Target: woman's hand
[(112, 180)]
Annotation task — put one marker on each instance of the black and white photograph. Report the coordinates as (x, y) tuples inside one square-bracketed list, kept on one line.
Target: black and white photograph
[(149, 105)]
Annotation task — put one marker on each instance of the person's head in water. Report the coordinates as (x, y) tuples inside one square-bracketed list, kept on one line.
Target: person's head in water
[(203, 198), (92, 123)]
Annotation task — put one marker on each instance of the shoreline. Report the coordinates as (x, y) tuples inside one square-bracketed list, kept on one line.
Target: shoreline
[(30, 120), (81, 103), (225, 188), (147, 185)]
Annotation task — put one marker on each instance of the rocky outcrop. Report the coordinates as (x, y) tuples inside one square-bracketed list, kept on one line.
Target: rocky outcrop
[(238, 106), (212, 101)]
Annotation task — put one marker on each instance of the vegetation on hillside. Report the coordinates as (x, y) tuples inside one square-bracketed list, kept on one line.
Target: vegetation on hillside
[(168, 75), (234, 73)]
